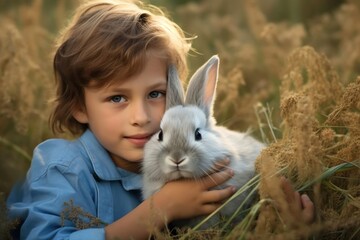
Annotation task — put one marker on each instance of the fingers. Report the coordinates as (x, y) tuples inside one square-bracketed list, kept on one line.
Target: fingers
[(220, 165), (210, 207), (215, 198), (292, 196), (309, 209), (287, 188), (219, 195), (300, 206), (216, 178)]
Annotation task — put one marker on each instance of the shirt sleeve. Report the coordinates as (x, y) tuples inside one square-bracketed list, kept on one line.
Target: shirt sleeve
[(39, 202), (89, 234)]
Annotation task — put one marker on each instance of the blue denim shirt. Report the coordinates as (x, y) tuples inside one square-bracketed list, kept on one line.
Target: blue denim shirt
[(81, 171)]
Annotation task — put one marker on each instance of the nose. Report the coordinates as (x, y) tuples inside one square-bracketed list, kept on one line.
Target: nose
[(178, 161), (139, 114)]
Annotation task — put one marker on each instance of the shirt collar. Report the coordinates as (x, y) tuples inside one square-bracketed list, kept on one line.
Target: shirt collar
[(104, 167)]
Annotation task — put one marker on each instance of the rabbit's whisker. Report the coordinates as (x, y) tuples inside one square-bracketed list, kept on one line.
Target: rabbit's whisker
[(206, 173)]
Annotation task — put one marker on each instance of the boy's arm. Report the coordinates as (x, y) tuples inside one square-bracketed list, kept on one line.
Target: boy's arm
[(176, 200), (39, 204)]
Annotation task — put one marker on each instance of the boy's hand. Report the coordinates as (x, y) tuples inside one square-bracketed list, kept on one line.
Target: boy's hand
[(188, 198), (300, 206)]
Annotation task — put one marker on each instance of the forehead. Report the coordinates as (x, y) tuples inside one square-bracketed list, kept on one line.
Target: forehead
[(153, 71), (183, 117), (151, 63)]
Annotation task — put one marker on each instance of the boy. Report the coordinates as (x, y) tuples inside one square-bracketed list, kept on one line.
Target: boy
[(111, 70)]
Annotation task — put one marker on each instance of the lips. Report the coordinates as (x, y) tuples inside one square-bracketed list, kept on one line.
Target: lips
[(139, 140)]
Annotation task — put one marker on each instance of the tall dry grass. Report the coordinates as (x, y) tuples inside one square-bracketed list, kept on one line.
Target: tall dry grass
[(26, 85), (295, 83), (320, 131)]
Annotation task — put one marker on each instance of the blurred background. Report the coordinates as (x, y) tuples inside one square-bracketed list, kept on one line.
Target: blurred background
[(252, 37)]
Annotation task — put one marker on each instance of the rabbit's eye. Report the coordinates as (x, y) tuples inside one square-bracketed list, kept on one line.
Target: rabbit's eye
[(160, 136), (198, 136)]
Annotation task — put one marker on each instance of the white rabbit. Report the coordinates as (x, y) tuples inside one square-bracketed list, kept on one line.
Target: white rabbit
[(189, 142)]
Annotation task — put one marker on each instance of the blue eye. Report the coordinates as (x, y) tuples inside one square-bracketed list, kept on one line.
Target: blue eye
[(117, 99), (156, 94)]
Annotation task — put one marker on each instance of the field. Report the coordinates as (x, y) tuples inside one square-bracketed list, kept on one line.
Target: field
[(289, 72)]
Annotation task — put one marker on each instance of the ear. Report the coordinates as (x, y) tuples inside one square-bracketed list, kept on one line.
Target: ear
[(202, 86), (80, 115), (174, 91)]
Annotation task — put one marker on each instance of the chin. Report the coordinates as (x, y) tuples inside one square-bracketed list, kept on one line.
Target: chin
[(135, 156), (179, 174), (136, 160), (121, 158)]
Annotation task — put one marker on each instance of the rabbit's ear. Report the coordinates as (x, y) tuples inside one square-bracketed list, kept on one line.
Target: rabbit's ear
[(202, 86), (174, 91)]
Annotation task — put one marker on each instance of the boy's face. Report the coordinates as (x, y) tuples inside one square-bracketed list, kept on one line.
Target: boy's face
[(124, 115)]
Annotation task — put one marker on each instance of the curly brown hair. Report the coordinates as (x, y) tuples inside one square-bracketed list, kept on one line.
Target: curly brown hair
[(108, 40)]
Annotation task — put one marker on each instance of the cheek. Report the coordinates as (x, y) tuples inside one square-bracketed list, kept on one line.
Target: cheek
[(159, 113)]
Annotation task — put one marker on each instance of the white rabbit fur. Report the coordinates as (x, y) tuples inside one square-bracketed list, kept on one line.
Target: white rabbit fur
[(177, 150)]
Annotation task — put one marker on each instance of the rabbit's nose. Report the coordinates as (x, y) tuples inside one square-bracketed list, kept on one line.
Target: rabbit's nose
[(179, 161)]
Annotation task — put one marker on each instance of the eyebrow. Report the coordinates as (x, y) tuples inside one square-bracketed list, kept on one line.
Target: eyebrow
[(157, 84)]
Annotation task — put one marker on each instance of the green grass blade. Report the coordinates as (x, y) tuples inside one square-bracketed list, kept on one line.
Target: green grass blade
[(15, 148), (331, 171)]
